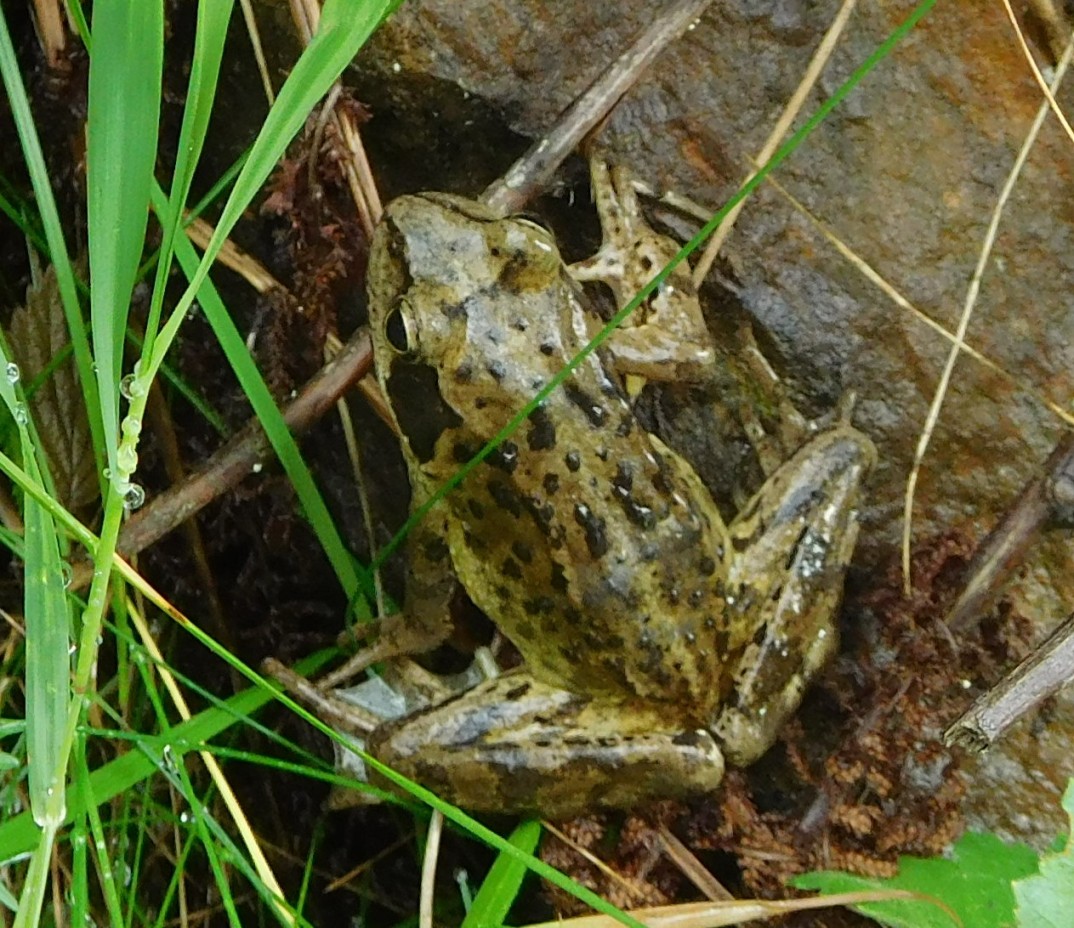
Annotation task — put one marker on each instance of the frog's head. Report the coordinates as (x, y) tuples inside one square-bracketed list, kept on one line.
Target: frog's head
[(441, 267), (455, 295)]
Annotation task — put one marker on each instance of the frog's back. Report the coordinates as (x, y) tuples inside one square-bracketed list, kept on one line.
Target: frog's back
[(592, 547)]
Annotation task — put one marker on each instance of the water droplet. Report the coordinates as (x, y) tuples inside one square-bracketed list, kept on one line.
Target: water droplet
[(126, 460), (22, 417), (134, 497), (107, 473), (258, 467), (125, 386), (12, 373)]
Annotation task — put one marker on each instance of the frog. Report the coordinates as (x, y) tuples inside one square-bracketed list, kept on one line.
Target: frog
[(658, 639)]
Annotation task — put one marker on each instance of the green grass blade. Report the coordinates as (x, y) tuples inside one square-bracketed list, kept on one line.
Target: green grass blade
[(19, 835), (48, 668), (345, 26), (48, 629), (351, 577), (500, 888), (121, 149), (209, 38)]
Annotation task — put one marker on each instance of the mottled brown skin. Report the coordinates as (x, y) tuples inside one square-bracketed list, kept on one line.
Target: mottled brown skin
[(593, 547)]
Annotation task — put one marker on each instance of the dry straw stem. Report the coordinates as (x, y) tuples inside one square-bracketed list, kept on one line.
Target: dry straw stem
[(718, 914)]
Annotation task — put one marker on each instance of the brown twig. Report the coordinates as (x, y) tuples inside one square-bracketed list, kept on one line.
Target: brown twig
[(532, 172), (1002, 551), (1043, 673)]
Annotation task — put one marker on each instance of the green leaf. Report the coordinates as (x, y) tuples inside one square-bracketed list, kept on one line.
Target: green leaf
[(1046, 899), (974, 882)]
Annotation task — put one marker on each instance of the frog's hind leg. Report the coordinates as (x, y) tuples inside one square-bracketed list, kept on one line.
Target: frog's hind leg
[(792, 544), (519, 746)]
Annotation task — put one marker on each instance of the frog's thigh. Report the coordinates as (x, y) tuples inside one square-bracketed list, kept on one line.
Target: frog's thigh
[(793, 542), (518, 746)]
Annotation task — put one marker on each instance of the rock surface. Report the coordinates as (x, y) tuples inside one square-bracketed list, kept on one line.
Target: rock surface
[(905, 173)]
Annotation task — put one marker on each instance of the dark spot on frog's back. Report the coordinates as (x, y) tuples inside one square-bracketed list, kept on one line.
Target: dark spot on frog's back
[(523, 552), (594, 411), (436, 549), (505, 457), (542, 430), (420, 410), (596, 538), (539, 605), (473, 541), (511, 569), (622, 487), (517, 692), (454, 310), (558, 580), (505, 497)]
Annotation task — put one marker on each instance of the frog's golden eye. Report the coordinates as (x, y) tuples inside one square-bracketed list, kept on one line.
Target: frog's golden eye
[(396, 330)]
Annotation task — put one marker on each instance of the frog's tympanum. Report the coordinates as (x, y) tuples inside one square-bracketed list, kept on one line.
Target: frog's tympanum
[(657, 639)]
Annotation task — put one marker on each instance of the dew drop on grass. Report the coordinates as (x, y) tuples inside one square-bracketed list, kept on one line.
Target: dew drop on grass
[(134, 497), (22, 417), (12, 373)]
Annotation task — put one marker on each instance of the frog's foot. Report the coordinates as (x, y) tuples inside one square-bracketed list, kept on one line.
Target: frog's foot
[(665, 339), (793, 541), (516, 745), (397, 635)]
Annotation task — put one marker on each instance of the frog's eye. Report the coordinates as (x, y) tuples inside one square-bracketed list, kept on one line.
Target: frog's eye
[(396, 330)]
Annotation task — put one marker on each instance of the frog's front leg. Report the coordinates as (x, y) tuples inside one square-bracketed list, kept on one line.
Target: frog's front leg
[(516, 745), (425, 621), (666, 338), (792, 543)]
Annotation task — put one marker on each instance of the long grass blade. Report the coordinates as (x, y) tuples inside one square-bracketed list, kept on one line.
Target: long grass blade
[(121, 150), (209, 38)]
